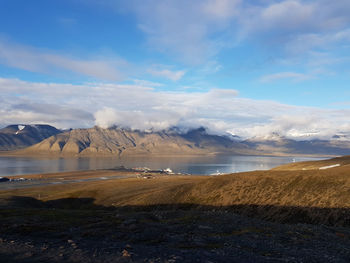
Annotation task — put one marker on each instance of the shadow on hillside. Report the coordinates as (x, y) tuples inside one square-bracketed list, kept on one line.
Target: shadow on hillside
[(63, 203), (280, 214)]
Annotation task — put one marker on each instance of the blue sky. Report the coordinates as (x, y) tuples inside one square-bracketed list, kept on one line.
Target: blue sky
[(245, 67)]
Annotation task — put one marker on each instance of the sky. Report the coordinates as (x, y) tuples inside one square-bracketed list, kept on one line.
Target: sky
[(249, 68)]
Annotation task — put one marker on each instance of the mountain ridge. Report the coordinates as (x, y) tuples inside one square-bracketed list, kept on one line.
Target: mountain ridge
[(19, 136), (281, 144), (118, 141)]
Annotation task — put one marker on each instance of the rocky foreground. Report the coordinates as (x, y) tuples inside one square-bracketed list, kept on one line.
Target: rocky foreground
[(51, 233)]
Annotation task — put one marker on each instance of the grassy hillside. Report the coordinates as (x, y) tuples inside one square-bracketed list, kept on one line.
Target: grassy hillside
[(313, 196), (343, 161)]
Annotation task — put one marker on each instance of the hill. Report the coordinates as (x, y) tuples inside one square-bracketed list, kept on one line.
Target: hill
[(20, 136)]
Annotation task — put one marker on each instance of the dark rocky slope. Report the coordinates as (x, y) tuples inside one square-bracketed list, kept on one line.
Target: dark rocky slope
[(20, 136)]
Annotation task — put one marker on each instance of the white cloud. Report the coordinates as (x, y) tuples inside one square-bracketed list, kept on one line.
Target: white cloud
[(196, 31), (220, 9), (183, 28), (53, 114), (106, 117), (285, 75), (287, 15), (294, 30), (314, 124), (297, 17), (35, 60), (166, 73), (210, 67), (142, 107), (313, 42), (197, 28)]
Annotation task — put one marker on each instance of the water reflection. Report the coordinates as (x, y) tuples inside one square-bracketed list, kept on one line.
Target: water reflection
[(191, 165)]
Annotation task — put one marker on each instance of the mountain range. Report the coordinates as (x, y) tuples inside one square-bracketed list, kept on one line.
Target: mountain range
[(19, 136), (119, 141), (277, 144), (116, 141)]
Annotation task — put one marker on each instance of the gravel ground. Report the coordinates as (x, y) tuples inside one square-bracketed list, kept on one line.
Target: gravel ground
[(31, 234)]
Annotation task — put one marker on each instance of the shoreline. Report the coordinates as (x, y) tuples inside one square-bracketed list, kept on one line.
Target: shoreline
[(194, 165), (87, 176), (156, 155)]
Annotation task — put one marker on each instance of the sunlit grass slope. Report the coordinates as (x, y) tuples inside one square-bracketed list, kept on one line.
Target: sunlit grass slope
[(321, 196)]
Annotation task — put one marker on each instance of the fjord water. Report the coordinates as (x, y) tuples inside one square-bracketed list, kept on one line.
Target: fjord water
[(189, 165)]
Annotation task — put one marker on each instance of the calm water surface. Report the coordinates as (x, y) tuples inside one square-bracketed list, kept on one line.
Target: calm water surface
[(193, 165)]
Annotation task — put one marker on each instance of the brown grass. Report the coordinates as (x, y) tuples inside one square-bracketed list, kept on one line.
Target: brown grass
[(314, 165), (316, 194), (319, 188), (329, 188)]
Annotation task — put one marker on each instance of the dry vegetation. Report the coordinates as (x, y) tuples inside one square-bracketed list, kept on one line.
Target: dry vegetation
[(316, 196), (315, 165)]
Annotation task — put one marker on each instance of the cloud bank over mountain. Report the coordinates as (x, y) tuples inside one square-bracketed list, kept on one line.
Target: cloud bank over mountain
[(140, 106)]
